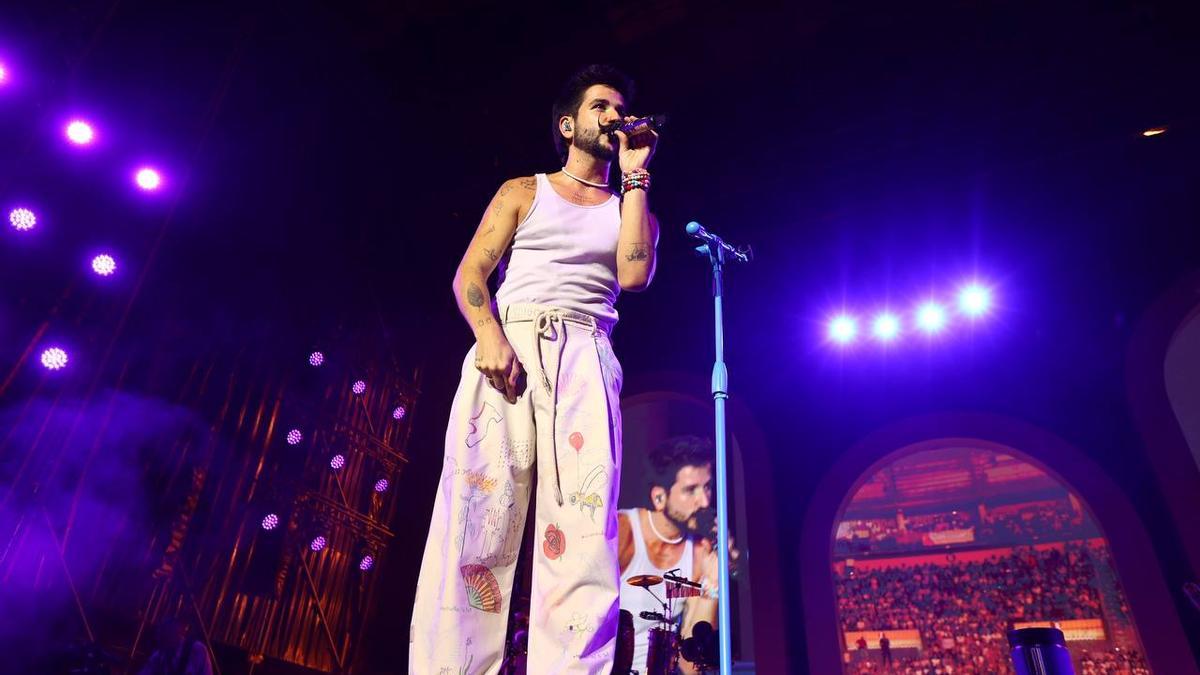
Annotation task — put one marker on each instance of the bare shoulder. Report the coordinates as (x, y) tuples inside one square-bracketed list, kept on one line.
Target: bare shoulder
[(624, 531), (515, 195)]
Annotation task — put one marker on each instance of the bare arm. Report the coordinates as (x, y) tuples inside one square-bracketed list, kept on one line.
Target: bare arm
[(636, 242), (697, 609), (494, 356), (638, 235)]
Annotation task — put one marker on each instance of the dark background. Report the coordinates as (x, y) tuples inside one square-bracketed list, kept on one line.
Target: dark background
[(327, 163)]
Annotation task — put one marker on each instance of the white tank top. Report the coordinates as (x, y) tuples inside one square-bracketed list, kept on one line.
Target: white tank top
[(636, 600), (564, 255)]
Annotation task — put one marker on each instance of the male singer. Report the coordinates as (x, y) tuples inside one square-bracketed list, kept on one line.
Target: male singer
[(566, 244)]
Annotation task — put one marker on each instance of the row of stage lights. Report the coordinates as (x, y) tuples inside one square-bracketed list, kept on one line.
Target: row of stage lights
[(319, 542), (82, 134), (336, 463), (931, 318)]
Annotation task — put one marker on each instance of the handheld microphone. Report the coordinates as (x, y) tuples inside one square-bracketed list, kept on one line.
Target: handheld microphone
[(655, 122)]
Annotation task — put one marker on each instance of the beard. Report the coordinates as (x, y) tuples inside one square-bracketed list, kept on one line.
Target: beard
[(696, 523), (589, 141)]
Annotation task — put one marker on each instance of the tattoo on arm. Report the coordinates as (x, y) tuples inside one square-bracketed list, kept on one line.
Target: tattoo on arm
[(474, 296), (483, 322), (638, 252), (496, 209), (491, 254)]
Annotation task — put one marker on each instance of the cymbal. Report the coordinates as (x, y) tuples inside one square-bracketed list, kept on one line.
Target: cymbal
[(644, 580)]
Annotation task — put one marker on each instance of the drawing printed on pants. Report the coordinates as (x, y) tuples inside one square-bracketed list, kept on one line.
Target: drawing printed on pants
[(464, 669), (555, 542), (580, 627), (498, 527), (479, 486), (481, 423), (516, 454), (576, 441), (587, 496), (483, 591)]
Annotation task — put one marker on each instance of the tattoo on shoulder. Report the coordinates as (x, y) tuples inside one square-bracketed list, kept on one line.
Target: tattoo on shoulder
[(505, 189), (638, 252), (474, 296), (528, 183)]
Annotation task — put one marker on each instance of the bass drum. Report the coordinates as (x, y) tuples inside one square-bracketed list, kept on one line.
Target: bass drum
[(663, 652)]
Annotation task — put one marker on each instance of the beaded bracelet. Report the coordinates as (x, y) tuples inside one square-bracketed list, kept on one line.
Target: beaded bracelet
[(638, 179)]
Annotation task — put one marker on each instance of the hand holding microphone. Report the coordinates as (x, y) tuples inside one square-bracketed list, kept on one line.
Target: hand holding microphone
[(637, 138)]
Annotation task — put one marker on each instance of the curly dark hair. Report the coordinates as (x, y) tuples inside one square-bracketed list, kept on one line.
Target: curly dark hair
[(571, 97), (671, 455)]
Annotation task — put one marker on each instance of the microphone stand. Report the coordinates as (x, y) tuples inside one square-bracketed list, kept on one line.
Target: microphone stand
[(720, 393)]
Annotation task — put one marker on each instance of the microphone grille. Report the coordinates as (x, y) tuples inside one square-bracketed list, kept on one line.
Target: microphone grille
[(692, 227)]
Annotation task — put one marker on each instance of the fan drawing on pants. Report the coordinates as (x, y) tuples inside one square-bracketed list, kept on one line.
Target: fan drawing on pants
[(483, 592)]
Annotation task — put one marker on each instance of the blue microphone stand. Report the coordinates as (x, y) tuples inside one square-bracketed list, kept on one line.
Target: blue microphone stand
[(716, 250)]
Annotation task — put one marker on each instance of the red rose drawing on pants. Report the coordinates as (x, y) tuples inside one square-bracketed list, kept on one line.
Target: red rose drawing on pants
[(556, 542)]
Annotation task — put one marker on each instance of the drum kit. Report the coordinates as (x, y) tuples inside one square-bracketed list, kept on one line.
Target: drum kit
[(664, 644)]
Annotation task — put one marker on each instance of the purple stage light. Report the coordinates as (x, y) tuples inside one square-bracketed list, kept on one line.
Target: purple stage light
[(148, 179), (366, 563), (381, 485), (294, 437), (22, 218), (104, 265), (399, 413), (315, 359), (337, 462), (54, 358), (318, 543), (270, 521), (3, 74), (886, 327), (931, 317), (359, 387), (842, 329), (974, 300), (80, 132)]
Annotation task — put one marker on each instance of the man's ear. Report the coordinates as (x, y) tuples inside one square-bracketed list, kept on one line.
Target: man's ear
[(658, 497)]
